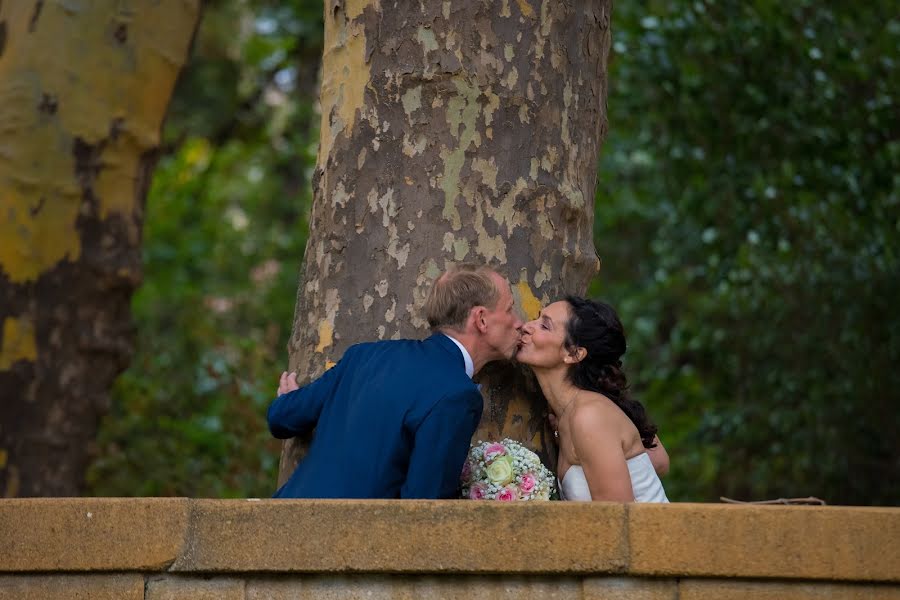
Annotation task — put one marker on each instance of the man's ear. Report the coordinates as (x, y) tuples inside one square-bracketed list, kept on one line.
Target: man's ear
[(478, 318)]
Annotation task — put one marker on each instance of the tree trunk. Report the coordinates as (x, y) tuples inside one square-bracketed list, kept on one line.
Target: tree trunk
[(83, 91), (456, 130)]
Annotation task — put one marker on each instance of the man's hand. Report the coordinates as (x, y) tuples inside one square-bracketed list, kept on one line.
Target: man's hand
[(287, 383)]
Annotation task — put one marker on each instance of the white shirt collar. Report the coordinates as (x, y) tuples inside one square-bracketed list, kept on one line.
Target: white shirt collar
[(470, 366)]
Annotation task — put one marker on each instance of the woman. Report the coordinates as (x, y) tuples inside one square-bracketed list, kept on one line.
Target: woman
[(574, 348)]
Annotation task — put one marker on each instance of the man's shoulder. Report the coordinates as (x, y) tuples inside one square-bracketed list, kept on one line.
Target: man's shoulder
[(435, 358), (403, 345), (383, 346)]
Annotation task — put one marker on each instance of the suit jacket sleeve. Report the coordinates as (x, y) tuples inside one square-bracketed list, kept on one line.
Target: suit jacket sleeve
[(441, 444), (297, 412)]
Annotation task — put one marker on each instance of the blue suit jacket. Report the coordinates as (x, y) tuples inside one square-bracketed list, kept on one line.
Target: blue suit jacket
[(392, 419)]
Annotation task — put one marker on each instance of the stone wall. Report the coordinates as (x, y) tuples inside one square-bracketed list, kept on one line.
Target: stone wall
[(177, 548)]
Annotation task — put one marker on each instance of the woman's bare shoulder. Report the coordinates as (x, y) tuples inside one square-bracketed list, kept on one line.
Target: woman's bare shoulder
[(592, 409), (597, 413)]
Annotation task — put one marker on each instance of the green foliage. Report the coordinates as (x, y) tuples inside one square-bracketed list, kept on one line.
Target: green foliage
[(225, 231), (748, 218)]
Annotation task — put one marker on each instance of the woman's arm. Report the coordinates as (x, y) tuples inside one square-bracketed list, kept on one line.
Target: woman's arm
[(598, 445), (659, 457)]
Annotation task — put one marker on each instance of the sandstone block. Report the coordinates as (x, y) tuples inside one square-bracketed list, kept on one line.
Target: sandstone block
[(414, 587), (630, 588), (405, 537), (168, 587), (793, 542), (91, 534), (72, 587), (758, 590)]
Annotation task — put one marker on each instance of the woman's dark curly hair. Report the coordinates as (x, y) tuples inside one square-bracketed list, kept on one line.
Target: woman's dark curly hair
[(596, 327)]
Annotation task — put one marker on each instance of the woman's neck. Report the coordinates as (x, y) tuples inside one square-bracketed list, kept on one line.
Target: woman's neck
[(557, 389)]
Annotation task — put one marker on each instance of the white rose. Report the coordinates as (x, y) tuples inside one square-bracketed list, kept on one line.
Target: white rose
[(500, 472)]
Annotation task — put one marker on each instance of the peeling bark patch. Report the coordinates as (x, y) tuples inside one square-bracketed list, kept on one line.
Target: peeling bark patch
[(453, 163), (23, 221), (38, 7), (525, 8), (18, 342), (326, 336), (412, 101), (343, 85), (531, 306), (426, 40)]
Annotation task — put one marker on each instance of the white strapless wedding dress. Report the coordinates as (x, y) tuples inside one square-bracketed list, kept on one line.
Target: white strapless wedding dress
[(645, 483)]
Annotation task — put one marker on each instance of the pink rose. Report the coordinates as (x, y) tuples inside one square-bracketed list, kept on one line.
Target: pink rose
[(477, 492), (507, 494), (527, 484), (494, 450)]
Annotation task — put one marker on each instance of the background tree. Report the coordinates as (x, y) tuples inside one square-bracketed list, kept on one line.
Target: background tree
[(456, 131), (83, 92), (226, 223)]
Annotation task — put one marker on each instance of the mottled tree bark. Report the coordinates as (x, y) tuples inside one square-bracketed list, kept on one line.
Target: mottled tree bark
[(454, 130), (84, 88)]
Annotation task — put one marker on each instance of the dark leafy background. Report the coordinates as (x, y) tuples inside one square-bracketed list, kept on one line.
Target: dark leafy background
[(747, 217)]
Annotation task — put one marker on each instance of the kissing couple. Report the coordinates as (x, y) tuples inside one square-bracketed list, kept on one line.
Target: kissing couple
[(395, 418)]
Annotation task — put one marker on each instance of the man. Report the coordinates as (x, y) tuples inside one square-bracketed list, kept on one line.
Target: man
[(394, 419)]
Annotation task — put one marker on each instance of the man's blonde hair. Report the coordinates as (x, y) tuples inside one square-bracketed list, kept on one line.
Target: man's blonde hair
[(456, 292)]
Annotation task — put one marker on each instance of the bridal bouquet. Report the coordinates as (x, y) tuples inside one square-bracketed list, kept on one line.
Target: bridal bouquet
[(505, 471)]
